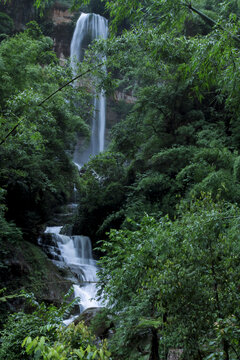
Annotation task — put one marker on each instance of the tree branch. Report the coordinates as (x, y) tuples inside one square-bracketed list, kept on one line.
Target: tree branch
[(49, 97), (206, 18), (210, 21)]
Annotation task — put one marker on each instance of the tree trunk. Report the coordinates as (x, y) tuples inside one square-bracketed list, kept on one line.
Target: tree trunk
[(154, 346), (226, 349)]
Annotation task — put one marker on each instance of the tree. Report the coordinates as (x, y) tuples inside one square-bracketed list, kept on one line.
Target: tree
[(101, 189), (35, 166), (42, 334), (178, 278), (6, 25), (72, 342), (177, 68)]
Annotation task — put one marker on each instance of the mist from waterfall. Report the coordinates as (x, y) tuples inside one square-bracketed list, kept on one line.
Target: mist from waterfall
[(88, 28)]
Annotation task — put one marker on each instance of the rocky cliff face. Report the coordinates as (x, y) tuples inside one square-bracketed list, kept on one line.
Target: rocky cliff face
[(20, 11), (57, 22), (25, 266), (63, 26)]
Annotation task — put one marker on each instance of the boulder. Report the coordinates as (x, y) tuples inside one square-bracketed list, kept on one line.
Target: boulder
[(175, 354), (98, 320)]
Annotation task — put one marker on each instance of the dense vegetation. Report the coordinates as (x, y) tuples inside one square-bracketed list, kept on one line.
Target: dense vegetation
[(47, 337), (181, 135), (36, 171), (177, 281), (167, 191), (170, 280)]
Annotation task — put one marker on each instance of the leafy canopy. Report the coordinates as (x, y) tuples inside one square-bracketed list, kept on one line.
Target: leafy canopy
[(36, 170), (179, 277)]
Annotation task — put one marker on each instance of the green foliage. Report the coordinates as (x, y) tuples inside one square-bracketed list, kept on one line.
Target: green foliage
[(101, 188), (179, 62), (41, 5), (40, 334), (9, 232), (46, 322), (177, 277), (43, 321), (73, 342), (225, 330), (8, 229), (236, 168), (6, 26), (7, 297), (36, 170)]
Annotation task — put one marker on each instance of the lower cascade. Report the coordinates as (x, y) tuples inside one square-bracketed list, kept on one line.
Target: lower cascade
[(74, 254)]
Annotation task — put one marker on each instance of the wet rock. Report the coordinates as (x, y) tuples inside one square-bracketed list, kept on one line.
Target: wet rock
[(98, 320), (175, 354), (27, 267)]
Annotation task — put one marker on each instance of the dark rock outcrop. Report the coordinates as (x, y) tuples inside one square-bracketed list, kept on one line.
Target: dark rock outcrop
[(63, 27), (57, 22), (21, 12), (28, 268), (98, 320)]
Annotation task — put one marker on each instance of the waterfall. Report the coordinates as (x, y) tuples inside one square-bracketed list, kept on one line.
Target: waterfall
[(73, 253), (88, 28)]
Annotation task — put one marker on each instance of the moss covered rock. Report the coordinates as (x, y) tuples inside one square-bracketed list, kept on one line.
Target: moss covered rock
[(28, 268)]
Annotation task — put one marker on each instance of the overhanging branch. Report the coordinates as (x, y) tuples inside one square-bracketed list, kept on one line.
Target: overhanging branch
[(49, 97), (210, 21)]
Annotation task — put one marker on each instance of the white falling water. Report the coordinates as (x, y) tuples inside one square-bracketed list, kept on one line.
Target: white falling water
[(75, 252), (88, 28), (53, 229)]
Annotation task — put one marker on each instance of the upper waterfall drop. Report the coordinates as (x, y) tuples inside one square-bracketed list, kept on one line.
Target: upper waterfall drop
[(88, 28)]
